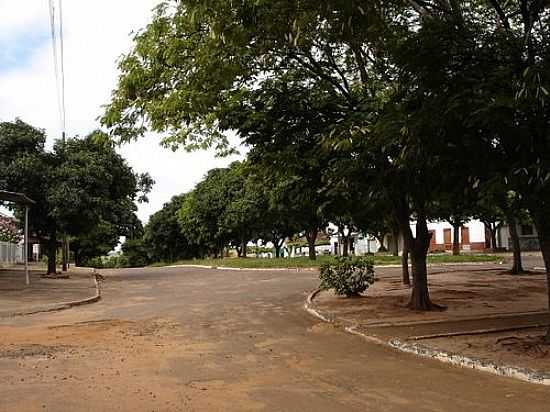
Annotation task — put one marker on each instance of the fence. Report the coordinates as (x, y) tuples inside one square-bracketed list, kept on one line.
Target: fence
[(10, 253)]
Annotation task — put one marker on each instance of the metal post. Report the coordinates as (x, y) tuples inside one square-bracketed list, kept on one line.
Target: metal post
[(26, 250)]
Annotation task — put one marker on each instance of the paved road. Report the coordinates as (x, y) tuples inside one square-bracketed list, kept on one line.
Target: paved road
[(206, 340)]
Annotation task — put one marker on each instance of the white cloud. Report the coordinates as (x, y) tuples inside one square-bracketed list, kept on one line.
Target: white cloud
[(97, 33)]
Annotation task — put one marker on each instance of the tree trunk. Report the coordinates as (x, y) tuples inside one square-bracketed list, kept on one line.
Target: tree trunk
[(405, 267), (76, 258), (493, 232), (30, 254), (52, 255), (543, 230), (456, 238), (243, 248), (279, 246), (311, 237), (545, 248), (380, 239), (517, 266), (64, 257), (345, 246), (395, 242), (418, 248), (420, 298)]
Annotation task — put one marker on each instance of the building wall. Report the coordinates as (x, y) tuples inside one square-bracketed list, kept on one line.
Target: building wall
[(477, 239), (10, 253), (528, 242)]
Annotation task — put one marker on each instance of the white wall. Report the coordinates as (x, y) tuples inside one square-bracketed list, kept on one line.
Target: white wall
[(477, 231)]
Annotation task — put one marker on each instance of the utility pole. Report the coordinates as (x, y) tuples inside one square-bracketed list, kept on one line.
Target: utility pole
[(65, 242), (59, 68)]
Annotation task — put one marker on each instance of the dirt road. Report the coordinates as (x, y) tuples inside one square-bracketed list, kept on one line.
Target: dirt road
[(206, 340)]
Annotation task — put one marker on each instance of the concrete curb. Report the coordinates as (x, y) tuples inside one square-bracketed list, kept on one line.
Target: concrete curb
[(227, 268), (309, 306), (56, 307), (313, 269), (523, 374)]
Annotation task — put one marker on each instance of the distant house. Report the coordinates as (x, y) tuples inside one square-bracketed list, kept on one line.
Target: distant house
[(473, 237)]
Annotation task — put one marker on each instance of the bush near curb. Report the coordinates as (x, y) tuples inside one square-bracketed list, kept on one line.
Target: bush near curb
[(347, 276)]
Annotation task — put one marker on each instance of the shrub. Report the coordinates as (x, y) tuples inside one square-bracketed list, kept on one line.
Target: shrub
[(347, 276)]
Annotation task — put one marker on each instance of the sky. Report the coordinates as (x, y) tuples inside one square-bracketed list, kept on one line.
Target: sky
[(96, 34)]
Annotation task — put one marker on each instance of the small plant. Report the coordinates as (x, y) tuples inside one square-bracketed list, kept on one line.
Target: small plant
[(347, 276)]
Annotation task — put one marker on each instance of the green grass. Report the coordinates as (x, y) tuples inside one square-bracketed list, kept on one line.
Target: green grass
[(304, 262)]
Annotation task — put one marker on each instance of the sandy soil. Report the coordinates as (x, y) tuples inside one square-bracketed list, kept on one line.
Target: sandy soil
[(523, 349), (466, 294), (107, 359), (168, 340)]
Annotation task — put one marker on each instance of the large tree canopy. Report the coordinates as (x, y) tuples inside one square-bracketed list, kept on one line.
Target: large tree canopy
[(409, 88), (81, 188)]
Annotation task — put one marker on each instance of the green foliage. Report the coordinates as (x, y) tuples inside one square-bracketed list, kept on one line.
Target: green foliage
[(164, 237), (417, 105), (107, 262), (135, 252), (82, 188), (347, 276), (231, 206)]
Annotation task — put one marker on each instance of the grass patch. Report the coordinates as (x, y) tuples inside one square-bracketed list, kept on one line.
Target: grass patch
[(304, 262)]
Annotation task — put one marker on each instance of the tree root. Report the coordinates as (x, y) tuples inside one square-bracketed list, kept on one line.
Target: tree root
[(427, 306)]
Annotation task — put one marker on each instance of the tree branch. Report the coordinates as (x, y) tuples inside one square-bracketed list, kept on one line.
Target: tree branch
[(313, 66), (501, 14)]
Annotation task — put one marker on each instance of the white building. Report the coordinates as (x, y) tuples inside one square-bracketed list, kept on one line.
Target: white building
[(473, 237)]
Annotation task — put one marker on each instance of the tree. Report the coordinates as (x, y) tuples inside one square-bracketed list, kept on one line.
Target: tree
[(136, 252), (390, 67), (326, 47), (77, 187), (163, 235), (273, 220), (97, 242), (218, 212)]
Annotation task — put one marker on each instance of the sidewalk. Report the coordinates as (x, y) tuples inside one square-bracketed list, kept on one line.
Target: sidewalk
[(16, 298), (494, 322)]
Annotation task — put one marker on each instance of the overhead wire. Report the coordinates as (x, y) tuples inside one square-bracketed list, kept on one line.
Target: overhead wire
[(58, 61), (62, 57)]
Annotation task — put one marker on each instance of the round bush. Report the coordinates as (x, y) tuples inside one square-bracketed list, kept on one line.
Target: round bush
[(347, 276)]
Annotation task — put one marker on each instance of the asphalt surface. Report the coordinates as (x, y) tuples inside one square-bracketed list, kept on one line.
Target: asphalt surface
[(183, 339)]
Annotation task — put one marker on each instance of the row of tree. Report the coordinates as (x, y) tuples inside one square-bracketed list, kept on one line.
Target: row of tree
[(83, 189), (419, 106)]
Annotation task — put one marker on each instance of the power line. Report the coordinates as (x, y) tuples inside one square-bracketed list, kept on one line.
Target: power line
[(58, 61), (62, 67)]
